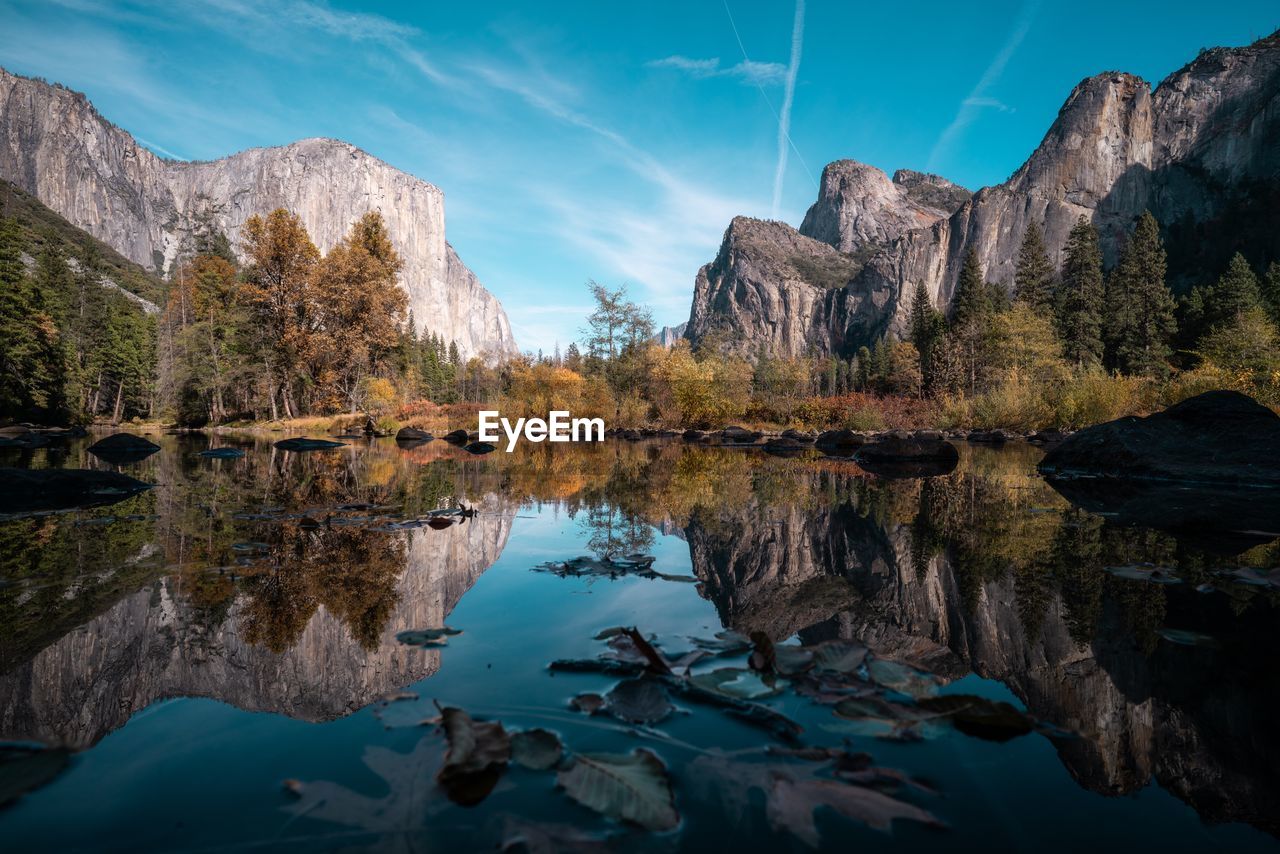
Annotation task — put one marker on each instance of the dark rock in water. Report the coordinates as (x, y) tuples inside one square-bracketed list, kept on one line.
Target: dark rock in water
[(120, 448), (1225, 520), (26, 439), (694, 435), (667, 434), (223, 453), (786, 446), (632, 435), (737, 434), (1220, 437), (1047, 437), (928, 435), (304, 444), (992, 437), (840, 440), (479, 448), (798, 435), (29, 490), (458, 437), (412, 434), (902, 454)]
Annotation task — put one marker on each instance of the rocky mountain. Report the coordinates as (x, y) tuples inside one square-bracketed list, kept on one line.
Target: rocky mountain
[(1200, 151), (154, 644), (667, 336), (55, 145)]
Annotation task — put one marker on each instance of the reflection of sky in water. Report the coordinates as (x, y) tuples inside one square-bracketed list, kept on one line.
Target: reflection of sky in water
[(197, 773)]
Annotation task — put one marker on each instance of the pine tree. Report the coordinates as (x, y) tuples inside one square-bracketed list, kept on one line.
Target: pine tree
[(1033, 278), (1080, 297), (1271, 292), (972, 303), (927, 328), (1139, 321), (1235, 292)]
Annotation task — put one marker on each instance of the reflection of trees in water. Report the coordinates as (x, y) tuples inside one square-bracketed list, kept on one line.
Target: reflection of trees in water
[(611, 532), (350, 571)]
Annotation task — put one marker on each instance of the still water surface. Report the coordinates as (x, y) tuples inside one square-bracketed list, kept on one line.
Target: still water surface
[(198, 645)]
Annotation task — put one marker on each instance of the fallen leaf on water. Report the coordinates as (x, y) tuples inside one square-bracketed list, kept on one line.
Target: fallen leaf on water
[(533, 837), (427, 637), (979, 717), (901, 678), (536, 749), (589, 703), (478, 754), (293, 787), (631, 787), (726, 642), (791, 805), (738, 683), (838, 656), (638, 701)]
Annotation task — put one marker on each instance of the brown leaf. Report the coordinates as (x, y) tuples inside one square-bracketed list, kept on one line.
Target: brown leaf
[(630, 787), (791, 805), (638, 701), (478, 754)]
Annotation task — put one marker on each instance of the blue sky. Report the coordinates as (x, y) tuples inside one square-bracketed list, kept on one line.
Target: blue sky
[(579, 140)]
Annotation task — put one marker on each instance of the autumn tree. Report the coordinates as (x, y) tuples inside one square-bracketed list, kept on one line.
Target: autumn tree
[(279, 294)]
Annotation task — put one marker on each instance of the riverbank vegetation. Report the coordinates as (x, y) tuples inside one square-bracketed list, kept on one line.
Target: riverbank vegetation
[(291, 336)]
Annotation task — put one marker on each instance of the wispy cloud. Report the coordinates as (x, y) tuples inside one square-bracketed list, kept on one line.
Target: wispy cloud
[(160, 149), (746, 71), (977, 99), (788, 97)]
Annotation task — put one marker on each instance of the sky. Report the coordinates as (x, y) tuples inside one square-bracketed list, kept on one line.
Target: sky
[(609, 141)]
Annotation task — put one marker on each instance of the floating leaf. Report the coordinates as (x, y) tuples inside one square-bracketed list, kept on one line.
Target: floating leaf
[(536, 749), (629, 787), (293, 787), (1185, 637), (478, 753), (589, 703), (979, 717), (724, 643), (427, 637), (838, 656), (901, 678), (638, 701), (791, 805), (738, 683)]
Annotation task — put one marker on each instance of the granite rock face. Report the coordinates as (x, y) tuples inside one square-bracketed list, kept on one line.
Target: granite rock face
[(56, 146), (1199, 152)]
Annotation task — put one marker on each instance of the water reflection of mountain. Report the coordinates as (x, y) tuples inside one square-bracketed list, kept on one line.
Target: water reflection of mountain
[(945, 576), (158, 643)]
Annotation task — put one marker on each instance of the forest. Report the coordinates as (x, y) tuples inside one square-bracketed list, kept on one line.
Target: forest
[(292, 333)]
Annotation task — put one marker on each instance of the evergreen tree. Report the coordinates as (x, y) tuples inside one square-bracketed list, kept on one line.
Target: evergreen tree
[(927, 328), (1271, 292), (862, 369), (1080, 297), (972, 303), (1235, 293), (1139, 321), (1033, 277)]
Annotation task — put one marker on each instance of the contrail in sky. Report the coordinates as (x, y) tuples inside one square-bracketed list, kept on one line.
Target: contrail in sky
[(784, 118)]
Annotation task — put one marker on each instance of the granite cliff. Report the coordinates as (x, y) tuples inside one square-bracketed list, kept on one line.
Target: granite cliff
[(1199, 151), (56, 146)]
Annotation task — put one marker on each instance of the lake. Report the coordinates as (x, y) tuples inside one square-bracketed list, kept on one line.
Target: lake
[(252, 655)]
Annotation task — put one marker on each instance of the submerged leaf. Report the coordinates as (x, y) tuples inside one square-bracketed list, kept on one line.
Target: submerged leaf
[(726, 642), (427, 637), (979, 717), (791, 805), (629, 787), (738, 683), (638, 701), (838, 656), (478, 753), (536, 749), (589, 703), (901, 678)]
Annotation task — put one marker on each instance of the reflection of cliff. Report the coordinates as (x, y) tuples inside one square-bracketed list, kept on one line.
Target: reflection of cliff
[(153, 644), (1194, 718)]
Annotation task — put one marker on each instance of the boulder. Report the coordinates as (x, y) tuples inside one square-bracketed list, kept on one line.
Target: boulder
[(223, 453), (30, 490), (693, 435), (412, 434), (479, 448), (798, 435), (840, 440), (785, 446), (992, 437), (1219, 437), (741, 435), (301, 443), (457, 437), (120, 448), (902, 454), (1047, 437)]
